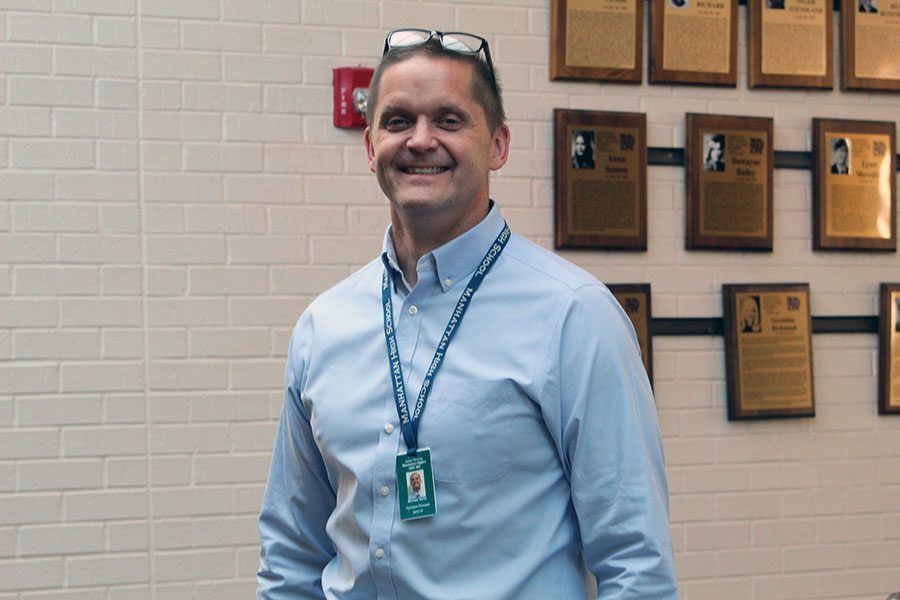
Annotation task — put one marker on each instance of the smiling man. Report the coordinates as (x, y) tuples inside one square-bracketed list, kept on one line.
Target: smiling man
[(466, 417), (416, 492)]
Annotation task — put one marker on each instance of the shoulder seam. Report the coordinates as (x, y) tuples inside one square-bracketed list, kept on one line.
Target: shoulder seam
[(572, 285)]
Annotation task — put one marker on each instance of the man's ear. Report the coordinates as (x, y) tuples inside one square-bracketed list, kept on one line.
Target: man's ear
[(499, 148), (370, 149)]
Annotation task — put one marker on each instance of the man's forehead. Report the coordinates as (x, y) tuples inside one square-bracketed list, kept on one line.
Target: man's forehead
[(427, 90), (426, 70)]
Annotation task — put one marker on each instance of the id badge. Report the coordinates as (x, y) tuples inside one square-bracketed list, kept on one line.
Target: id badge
[(415, 485)]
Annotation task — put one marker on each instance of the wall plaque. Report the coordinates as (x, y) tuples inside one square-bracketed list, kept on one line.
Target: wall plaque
[(600, 40), (889, 350), (728, 181), (870, 40), (600, 179), (693, 41), (791, 43), (854, 185), (768, 351), (635, 300)]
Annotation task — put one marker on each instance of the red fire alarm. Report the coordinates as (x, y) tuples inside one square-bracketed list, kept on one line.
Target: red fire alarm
[(351, 90)]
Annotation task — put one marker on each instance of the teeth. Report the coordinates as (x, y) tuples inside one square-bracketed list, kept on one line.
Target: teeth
[(424, 170)]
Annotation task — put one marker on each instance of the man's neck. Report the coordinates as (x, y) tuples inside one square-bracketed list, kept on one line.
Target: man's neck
[(414, 238)]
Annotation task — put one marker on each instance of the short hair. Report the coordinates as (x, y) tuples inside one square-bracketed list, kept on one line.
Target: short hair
[(485, 86), (840, 143)]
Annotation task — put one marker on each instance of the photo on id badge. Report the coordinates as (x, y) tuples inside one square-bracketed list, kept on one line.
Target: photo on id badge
[(414, 487)]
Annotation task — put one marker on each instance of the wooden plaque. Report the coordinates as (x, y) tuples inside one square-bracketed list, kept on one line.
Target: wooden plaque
[(600, 179), (635, 300), (791, 43), (870, 39), (768, 351), (600, 40), (693, 41), (889, 350), (728, 182), (854, 185)]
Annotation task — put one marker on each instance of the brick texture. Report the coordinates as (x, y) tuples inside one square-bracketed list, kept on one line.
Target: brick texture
[(173, 194)]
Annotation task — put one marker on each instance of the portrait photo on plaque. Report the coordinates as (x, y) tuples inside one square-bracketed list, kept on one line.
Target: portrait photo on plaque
[(635, 301), (728, 182), (600, 179), (870, 45), (597, 40), (583, 149), (868, 6), (889, 350), (840, 156), (854, 185), (693, 42), (790, 43), (768, 350)]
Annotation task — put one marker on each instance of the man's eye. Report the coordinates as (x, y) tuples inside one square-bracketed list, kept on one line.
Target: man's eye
[(396, 123), (449, 122)]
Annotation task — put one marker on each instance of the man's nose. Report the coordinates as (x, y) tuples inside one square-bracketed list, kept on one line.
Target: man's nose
[(421, 137)]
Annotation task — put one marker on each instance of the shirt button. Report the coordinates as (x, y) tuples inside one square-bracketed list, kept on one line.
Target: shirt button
[(384, 491), (413, 310), (388, 428), (448, 282), (379, 552)]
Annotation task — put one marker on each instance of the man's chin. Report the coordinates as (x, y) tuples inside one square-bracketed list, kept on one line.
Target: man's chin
[(420, 204)]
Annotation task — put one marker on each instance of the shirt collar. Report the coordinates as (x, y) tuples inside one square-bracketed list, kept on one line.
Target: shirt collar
[(455, 259)]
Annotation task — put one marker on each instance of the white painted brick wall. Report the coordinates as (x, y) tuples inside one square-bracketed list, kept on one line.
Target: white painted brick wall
[(172, 196)]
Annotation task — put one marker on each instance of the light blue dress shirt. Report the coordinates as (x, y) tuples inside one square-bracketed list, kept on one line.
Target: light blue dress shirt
[(544, 437)]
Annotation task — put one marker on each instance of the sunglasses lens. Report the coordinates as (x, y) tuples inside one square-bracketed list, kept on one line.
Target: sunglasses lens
[(407, 37), (462, 43)]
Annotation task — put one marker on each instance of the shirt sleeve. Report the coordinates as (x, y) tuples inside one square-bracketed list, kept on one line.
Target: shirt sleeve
[(603, 419), (294, 547)]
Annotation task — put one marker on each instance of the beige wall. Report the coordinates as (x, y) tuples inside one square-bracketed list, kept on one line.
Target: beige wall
[(173, 194)]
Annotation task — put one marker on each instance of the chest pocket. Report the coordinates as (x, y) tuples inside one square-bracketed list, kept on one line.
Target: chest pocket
[(466, 424)]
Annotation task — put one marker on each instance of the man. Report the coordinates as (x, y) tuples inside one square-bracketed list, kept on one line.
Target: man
[(535, 386), (416, 492), (866, 6), (840, 155), (583, 150)]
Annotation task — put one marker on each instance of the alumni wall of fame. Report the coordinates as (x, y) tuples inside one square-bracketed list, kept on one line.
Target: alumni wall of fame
[(600, 179), (768, 350), (601, 40), (693, 41), (791, 43), (870, 41), (854, 185), (728, 182)]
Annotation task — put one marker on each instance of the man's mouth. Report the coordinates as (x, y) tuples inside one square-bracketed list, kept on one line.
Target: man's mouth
[(423, 170)]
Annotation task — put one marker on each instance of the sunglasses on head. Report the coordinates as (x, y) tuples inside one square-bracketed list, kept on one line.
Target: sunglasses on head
[(452, 41)]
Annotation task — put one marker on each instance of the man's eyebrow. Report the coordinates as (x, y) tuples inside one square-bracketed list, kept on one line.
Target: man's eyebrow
[(391, 108), (453, 108), (388, 111), (442, 109)]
